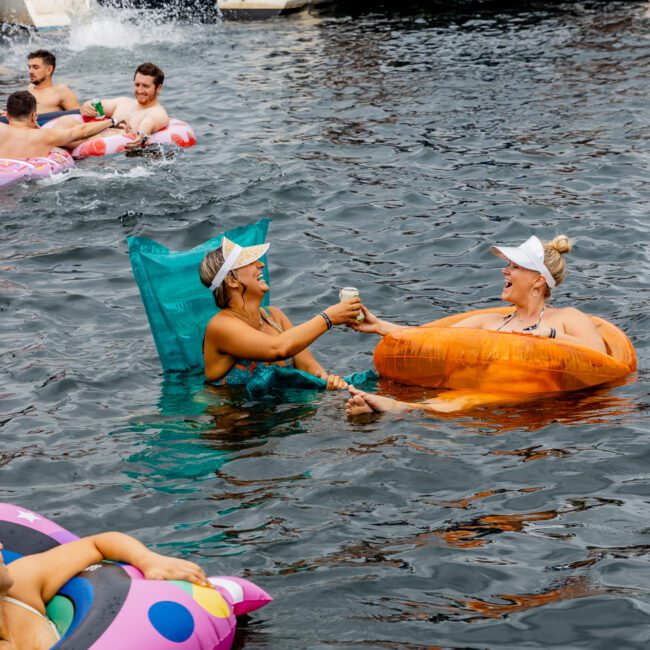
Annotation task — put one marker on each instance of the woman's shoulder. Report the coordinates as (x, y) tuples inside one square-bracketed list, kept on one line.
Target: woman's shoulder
[(217, 322), (568, 312), (571, 317)]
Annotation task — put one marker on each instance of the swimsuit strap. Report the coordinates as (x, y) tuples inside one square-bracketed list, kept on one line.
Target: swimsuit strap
[(29, 608), (266, 316), (506, 320)]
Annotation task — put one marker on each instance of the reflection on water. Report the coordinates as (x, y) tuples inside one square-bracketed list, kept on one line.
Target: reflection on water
[(472, 611), (593, 406)]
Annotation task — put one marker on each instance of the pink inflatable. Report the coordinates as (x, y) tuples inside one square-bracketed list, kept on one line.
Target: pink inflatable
[(177, 132), (110, 606), (14, 170)]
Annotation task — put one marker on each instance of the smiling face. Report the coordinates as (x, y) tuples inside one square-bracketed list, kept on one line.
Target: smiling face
[(251, 275), (145, 89), (518, 283)]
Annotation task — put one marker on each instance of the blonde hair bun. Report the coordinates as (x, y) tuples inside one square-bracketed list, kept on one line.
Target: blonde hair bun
[(562, 244)]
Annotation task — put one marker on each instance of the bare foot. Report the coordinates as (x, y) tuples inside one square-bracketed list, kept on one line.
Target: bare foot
[(356, 405), (362, 402)]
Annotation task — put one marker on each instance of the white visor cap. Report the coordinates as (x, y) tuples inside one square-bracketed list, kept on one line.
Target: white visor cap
[(235, 257), (530, 255)]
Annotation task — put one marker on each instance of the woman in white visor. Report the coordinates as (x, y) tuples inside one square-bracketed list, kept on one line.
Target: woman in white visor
[(244, 334), (533, 270)]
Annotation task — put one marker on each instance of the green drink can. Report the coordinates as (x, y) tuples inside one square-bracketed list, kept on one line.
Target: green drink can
[(97, 105)]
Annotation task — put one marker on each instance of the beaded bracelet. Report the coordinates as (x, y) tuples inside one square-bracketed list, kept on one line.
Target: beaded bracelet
[(328, 322), (553, 333)]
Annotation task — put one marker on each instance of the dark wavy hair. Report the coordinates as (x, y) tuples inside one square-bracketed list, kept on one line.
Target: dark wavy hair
[(48, 57), (151, 70)]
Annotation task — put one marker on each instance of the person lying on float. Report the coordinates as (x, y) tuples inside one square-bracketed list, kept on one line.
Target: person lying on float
[(30, 582), (533, 269), (141, 116), (22, 138), (244, 335)]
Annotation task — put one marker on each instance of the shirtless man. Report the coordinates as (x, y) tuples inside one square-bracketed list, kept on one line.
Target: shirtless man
[(22, 138), (50, 97), (143, 115)]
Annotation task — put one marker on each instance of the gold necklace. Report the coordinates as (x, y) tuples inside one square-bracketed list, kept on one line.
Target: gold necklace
[(256, 324)]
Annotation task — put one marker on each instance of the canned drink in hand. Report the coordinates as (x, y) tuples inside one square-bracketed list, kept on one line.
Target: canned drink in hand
[(97, 105), (346, 293)]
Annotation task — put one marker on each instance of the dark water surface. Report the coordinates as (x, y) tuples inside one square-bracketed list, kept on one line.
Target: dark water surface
[(390, 149)]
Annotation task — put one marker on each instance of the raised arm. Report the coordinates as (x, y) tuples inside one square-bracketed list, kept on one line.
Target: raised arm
[(62, 137), (37, 578)]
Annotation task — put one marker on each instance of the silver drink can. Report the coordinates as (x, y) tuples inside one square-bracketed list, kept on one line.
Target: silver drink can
[(346, 293)]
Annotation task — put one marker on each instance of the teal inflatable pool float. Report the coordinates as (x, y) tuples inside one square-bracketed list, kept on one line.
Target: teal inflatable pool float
[(179, 307), (177, 304)]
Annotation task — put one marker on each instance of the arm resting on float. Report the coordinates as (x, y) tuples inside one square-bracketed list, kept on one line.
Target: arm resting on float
[(38, 577), (155, 121), (578, 328), (477, 321)]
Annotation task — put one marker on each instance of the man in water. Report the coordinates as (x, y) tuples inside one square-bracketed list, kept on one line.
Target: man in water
[(50, 97), (22, 138), (143, 115)]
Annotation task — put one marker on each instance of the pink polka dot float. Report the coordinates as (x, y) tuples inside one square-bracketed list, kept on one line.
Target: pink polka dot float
[(110, 605), (15, 170), (177, 132)]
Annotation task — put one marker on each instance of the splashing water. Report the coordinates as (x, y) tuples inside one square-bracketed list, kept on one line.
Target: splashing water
[(123, 28)]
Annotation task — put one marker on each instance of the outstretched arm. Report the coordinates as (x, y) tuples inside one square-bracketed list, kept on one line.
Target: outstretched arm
[(38, 577), (63, 137), (229, 337), (373, 325)]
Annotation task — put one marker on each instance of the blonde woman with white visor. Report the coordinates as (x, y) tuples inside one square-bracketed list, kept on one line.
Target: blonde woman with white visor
[(244, 335), (533, 269)]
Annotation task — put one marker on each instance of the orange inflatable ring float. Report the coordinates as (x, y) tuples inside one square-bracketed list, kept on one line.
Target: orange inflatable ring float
[(439, 356)]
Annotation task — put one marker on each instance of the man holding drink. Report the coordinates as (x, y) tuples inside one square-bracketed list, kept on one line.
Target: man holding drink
[(143, 115)]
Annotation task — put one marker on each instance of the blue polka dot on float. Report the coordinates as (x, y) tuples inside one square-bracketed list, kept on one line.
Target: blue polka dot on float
[(172, 620)]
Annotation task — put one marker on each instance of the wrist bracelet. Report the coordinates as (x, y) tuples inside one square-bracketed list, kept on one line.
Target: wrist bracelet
[(328, 322), (553, 333)]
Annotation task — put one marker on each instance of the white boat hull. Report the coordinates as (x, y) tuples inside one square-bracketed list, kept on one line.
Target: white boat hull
[(253, 9), (41, 14)]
